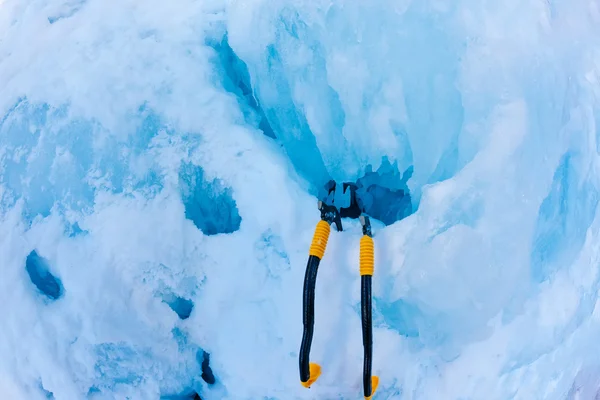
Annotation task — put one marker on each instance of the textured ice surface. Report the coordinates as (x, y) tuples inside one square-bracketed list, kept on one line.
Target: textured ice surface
[(159, 167)]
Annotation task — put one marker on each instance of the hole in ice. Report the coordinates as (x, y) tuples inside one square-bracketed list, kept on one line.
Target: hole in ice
[(386, 195), (182, 307), (40, 275), (191, 395), (209, 205), (383, 195), (207, 373), (236, 80)]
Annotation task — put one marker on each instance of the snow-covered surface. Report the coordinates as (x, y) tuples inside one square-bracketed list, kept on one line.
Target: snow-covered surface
[(160, 159)]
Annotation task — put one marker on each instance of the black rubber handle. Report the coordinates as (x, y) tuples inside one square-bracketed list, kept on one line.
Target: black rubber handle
[(308, 315), (367, 331)]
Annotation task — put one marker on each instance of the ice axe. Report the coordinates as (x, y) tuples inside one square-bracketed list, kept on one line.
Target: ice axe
[(309, 371)]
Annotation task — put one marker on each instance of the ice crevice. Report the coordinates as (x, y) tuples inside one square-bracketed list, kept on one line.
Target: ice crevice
[(384, 192), (158, 190)]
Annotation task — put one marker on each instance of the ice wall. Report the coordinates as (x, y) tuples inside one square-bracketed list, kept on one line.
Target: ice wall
[(495, 107), (367, 81), (159, 163)]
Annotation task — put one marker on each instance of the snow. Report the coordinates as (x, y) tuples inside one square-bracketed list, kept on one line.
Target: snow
[(160, 164)]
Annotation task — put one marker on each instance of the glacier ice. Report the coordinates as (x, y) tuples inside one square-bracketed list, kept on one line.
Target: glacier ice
[(208, 204), (159, 169)]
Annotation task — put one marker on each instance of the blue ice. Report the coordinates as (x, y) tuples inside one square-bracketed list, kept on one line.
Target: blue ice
[(160, 165)]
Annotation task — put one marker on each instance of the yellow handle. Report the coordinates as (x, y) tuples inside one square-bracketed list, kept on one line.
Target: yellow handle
[(320, 238), (367, 256)]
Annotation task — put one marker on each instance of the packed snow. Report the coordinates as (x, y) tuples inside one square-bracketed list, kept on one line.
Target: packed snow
[(161, 162)]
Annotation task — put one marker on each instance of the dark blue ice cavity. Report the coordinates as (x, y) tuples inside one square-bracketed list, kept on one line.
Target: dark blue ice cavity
[(182, 307), (236, 80), (384, 194), (207, 373), (209, 205), (40, 275), (564, 218), (388, 205), (191, 395)]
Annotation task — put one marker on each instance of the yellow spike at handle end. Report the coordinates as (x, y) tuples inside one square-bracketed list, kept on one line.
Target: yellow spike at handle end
[(315, 372), (367, 255), (374, 384), (320, 238)]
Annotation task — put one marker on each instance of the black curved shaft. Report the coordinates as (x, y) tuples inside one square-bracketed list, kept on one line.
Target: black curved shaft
[(308, 315), (367, 331)]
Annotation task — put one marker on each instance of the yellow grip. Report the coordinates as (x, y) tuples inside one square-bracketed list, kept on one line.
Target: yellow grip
[(367, 255), (320, 238)]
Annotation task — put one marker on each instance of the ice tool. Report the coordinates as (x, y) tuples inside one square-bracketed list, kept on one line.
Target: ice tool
[(331, 214)]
